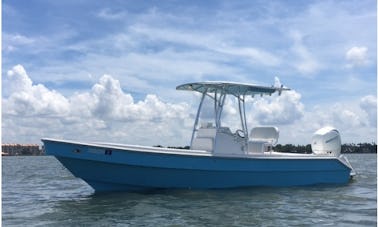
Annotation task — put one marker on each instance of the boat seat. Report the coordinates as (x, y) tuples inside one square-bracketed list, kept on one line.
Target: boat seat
[(262, 139), (204, 139), (206, 144)]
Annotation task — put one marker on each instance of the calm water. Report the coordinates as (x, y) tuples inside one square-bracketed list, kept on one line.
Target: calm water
[(38, 191)]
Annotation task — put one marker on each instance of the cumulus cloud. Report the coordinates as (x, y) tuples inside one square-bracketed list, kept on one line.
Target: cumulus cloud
[(284, 109), (348, 118), (28, 99), (369, 105), (110, 102), (344, 117), (105, 112), (357, 56), (109, 99), (339, 115)]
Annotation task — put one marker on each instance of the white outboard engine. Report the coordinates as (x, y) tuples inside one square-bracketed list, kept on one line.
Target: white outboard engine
[(326, 141)]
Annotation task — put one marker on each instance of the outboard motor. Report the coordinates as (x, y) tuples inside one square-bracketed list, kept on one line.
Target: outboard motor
[(326, 141)]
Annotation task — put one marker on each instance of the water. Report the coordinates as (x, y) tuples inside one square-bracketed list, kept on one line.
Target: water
[(39, 191)]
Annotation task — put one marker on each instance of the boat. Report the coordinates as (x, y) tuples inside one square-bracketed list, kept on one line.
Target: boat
[(218, 158)]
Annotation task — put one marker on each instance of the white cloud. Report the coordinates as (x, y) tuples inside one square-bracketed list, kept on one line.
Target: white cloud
[(109, 99), (110, 102), (28, 99), (348, 118), (284, 109), (13, 42), (109, 14), (344, 117), (305, 62), (357, 56), (20, 80), (209, 42), (255, 55), (369, 105), (105, 113)]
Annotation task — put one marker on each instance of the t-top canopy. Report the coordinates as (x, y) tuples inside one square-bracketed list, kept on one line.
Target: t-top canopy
[(232, 88)]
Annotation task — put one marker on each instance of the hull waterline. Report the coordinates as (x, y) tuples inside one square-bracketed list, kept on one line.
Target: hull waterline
[(120, 168)]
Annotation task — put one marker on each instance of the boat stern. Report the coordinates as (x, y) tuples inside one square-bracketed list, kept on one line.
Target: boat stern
[(327, 141)]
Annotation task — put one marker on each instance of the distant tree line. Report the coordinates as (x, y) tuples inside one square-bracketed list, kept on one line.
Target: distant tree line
[(345, 148), (359, 148)]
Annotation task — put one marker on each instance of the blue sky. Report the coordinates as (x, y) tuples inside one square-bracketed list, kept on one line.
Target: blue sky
[(60, 51)]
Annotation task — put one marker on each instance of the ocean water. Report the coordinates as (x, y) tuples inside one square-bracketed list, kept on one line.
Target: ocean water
[(39, 191)]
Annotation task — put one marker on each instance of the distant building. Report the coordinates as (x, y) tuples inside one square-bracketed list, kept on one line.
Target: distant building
[(20, 149)]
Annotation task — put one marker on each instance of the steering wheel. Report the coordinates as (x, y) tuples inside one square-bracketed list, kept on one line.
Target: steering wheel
[(240, 133)]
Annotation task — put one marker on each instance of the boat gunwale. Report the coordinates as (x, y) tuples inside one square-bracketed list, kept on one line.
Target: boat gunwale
[(194, 153)]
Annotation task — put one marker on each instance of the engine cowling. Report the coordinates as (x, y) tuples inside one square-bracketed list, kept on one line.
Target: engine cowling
[(326, 141)]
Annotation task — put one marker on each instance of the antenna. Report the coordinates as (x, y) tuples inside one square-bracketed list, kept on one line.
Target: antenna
[(280, 90)]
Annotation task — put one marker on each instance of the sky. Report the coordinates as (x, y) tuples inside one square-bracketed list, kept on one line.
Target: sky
[(107, 70)]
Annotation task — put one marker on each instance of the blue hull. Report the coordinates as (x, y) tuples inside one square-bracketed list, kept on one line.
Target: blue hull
[(107, 168)]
